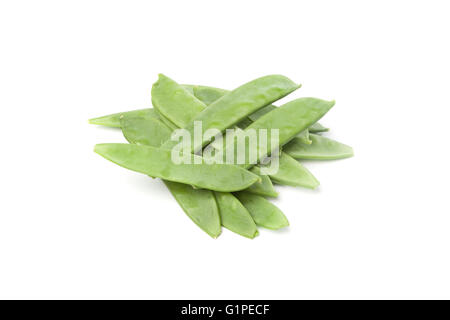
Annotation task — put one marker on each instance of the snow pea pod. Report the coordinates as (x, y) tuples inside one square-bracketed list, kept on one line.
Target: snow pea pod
[(290, 119), (236, 105), (235, 216), (149, 132), (157, 162), (181, 101), (322, 148), (264, 187), (199, 205), (113, 120), (184, 116), (291, 173), (210, 94), (264, 213), (317, 128)]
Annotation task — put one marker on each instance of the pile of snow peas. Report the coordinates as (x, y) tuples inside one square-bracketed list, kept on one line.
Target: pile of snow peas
[(230, 195)]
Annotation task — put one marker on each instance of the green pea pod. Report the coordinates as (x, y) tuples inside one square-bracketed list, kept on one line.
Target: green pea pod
[(210, 94), (148, 132), (166, 121), (264, 213), (234, 215), (291, 173), (113, 120), (199, 205), (317, 128), (322, 148), (263, 187), (169, 98), (235, 105), (290, 119), (157, 162), (166, 90)]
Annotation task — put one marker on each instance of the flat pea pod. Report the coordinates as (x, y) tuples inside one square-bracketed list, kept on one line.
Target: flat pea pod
[(317, 128), (141, 131), (199, 205), (237, 104), (322, 148), (170, 88), (291, 173), (264, 187), (264, 213), (234, 216), (157, 162), (210, 94), (290, 119), (113, 120), (169, 98), (166, 121)]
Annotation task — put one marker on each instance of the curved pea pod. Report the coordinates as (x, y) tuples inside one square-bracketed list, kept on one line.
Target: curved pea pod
[(148, 132), (263, 187), (210, 94), (264, 213), (234, 215), (317, 128), (291, 173), (290, 119), (166, 121), (199, 205), (113, 120), (169, 98), (157, 162), (237, 104), (322, 148)]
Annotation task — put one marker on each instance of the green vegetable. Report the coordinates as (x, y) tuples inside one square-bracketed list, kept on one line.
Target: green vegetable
[(157, 162), (234, 215), (199, 205), (322, 148), (317, 128), (113, 120), (291, 173), (264, 213), (290, 119), (235, 105), (148, 132)]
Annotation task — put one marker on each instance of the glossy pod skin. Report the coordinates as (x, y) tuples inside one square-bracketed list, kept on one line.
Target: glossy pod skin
[(237, 104), (322, 148), (199, 205), (157, 162), (113, 120), (264, 213)]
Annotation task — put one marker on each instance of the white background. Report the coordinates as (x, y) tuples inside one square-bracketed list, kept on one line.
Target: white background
[(73, 225)]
